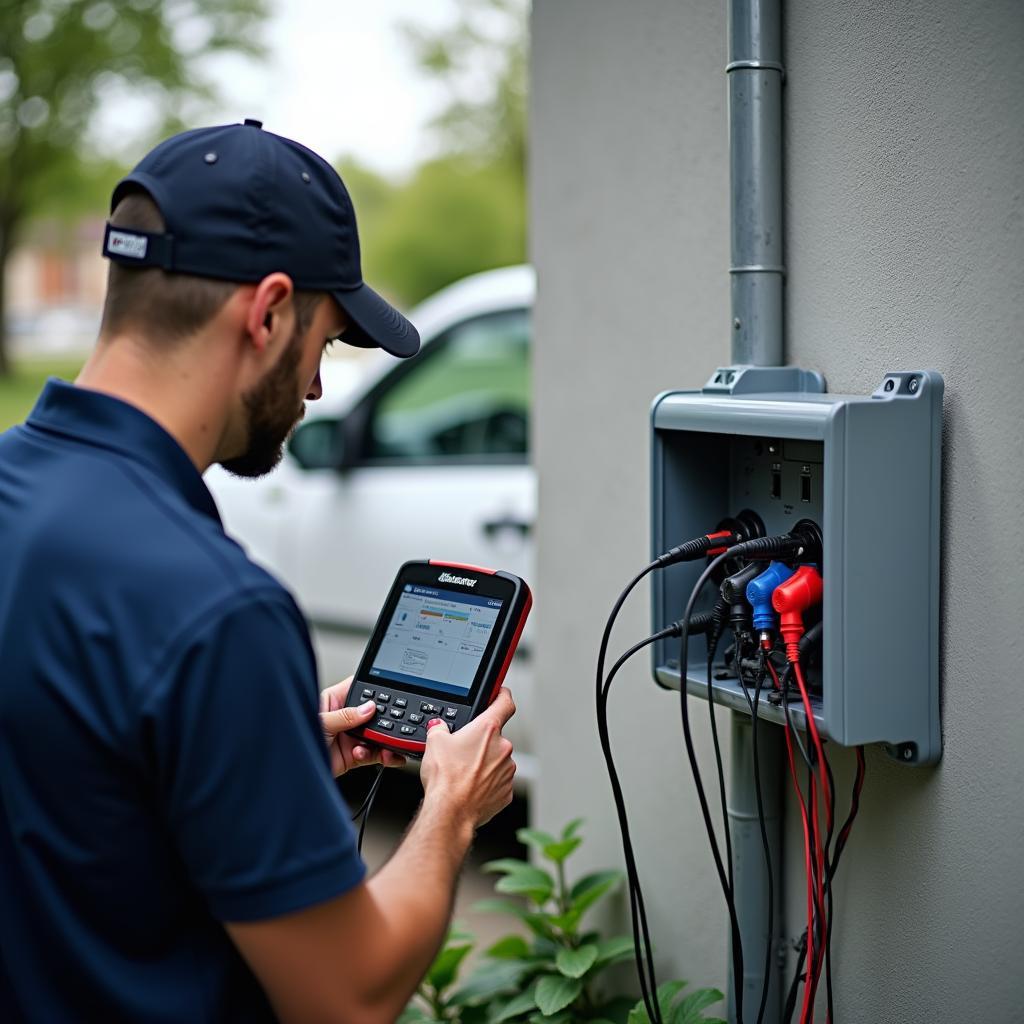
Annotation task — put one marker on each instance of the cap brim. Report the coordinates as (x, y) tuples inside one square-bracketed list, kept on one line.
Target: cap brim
[(374, 323)]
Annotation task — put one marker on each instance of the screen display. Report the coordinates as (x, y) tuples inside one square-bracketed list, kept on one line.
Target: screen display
[(436, 638)]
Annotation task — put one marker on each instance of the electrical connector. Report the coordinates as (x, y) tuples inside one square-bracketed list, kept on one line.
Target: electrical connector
[(744, 527), (791, 599), (759, 594)]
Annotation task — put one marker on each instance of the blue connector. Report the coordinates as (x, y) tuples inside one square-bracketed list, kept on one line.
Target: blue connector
[(759, 594)]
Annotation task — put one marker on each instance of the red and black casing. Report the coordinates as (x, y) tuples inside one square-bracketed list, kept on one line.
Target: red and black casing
[(424, 702)]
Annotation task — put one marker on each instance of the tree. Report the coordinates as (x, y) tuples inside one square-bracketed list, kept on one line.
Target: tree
[(482, 60), (465, 210), (58, 58)]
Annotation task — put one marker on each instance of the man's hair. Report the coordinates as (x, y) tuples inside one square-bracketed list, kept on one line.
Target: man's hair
[(166, 307)]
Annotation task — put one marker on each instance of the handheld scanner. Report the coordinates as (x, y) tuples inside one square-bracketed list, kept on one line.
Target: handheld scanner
[(441, 648), (759, 594)]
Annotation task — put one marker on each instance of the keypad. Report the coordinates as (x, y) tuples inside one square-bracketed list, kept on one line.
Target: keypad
[(398, 713)]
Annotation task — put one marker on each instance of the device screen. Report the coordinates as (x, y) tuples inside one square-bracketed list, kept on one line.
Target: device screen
[(436, 638)]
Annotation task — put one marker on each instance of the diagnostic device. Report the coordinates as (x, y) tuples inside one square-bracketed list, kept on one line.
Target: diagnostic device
[(441, 647)]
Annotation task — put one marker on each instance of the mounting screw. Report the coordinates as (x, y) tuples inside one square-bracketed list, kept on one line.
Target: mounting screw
[(907, 753), (913, 384), (890, 384), (211, 157), (736, 323)]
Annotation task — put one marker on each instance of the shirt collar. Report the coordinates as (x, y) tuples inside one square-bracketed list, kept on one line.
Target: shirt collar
[(111, 423)]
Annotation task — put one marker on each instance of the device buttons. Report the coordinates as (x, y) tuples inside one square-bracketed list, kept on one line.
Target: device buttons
[(397, 713), (381, 708), (415, 719), (383, 698), (430, 709), (450, 713), (367, 694), (407, 730), (383, 723), (401, 702)]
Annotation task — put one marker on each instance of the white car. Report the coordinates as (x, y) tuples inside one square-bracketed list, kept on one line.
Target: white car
[(402, 459)]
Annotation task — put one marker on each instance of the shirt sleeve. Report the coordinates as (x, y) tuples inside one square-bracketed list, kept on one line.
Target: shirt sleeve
[(243, 776)]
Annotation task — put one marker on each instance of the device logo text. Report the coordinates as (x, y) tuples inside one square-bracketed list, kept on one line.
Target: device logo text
[(461, 580)]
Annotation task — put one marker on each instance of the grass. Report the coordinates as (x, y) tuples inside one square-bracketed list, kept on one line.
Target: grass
[(20, 388)]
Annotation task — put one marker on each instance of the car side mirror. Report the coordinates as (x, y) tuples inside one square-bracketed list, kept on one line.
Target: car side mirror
[(318, 444)]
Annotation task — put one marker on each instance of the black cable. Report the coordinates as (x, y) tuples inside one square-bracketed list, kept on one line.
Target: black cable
[(638, 914), (754, 705), (367, 806), (726, 826), (737, 942)]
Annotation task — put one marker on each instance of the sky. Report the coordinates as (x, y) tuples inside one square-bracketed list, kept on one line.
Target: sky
[(340, 78)]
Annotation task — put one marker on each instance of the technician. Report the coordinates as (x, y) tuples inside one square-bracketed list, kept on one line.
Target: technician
[(172, 844)]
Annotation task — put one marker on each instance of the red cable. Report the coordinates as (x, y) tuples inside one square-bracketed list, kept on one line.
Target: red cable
[(806, 1012), (819, 849)]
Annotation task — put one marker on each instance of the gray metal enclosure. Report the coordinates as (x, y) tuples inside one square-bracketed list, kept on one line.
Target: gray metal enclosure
[(867, 470)]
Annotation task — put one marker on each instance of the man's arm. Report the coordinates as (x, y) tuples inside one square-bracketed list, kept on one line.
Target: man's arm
[(358, 959)]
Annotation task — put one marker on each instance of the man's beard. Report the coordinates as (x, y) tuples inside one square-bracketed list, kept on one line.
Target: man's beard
[(271, 414)]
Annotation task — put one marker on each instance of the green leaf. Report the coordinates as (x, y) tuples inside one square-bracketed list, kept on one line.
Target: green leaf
[(667, 994), (414, 1015), (537, 923), (638, 1015), (489, 980), (592, 881), (534, 837), (535, 884), (555, 992), (566, 922), (446, 966), (512, 947), (559, 1018), (574, 963), (570, 830), (690, 1010), (589, 889), (507, 865), (518, 1004), (614, 950), (559, 851)]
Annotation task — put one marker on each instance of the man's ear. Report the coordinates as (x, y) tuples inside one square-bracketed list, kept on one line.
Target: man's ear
[(267, 304)]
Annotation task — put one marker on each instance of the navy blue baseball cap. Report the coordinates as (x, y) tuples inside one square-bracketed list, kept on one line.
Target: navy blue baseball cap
[(240, 203)]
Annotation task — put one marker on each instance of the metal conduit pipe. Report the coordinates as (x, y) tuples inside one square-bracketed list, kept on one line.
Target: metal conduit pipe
[(755, 173), (755, 75)]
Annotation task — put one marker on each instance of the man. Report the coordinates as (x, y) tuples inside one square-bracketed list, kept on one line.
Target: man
[(172, 845)]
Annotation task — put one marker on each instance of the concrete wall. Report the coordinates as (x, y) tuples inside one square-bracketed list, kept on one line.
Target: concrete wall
[(905, 247)]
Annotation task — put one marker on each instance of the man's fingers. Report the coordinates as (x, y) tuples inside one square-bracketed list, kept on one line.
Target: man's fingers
[(344, 719), (502, 708)]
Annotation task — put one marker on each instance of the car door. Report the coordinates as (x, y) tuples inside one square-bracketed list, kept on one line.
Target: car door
[(435, 466)]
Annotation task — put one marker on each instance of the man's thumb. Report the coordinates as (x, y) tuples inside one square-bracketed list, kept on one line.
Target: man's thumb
[(344, 719), (437, 727)]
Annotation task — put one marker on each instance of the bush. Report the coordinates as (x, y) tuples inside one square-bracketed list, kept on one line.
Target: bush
[(556, 976)]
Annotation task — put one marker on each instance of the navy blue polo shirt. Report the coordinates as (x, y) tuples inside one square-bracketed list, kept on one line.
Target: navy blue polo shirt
[(162, 767)]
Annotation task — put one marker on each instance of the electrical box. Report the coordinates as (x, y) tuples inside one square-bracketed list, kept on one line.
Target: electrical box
[(867, 470)]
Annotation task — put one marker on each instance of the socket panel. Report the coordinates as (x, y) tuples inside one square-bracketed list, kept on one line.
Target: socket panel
[(867, 470)]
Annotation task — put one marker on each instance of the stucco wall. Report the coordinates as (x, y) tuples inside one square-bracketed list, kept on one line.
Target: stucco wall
[(905, 248)]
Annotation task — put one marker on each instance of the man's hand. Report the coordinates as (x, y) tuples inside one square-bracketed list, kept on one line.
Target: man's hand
[(471, 769), (336, 720)]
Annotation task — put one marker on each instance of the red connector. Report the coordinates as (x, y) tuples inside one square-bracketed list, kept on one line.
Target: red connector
[(791, 599)]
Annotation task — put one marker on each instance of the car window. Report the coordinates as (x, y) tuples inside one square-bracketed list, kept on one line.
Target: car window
[(465, 399)]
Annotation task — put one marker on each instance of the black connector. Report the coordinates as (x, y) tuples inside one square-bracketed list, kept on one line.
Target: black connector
[(802, 543), (745, 526)]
